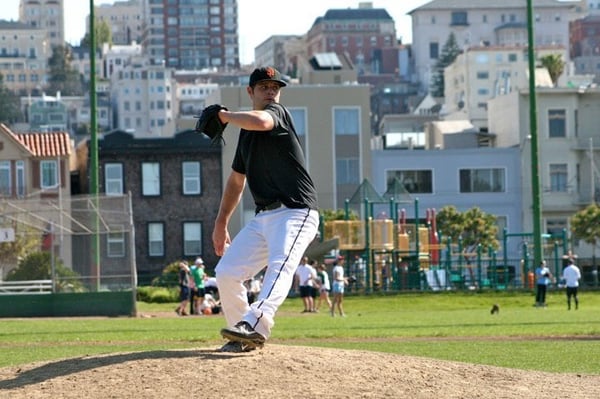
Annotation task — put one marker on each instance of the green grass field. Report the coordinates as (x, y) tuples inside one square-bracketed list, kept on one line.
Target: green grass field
[(452, 326)]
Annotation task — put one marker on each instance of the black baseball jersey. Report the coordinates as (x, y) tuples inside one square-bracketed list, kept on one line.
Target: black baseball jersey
[(273, 163)]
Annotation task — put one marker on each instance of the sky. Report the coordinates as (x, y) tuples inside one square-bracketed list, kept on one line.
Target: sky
[(256, 23)]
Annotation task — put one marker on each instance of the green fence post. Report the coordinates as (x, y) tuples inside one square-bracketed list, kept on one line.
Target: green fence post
[(505, 245), (479, 266), (557, 271), (494, 282), (460, 259), (526, 264)]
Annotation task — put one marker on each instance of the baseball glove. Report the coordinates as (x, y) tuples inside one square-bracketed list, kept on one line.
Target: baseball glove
[(209, 123)]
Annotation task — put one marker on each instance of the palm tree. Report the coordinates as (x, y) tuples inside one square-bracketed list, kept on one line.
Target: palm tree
[(555, 66)]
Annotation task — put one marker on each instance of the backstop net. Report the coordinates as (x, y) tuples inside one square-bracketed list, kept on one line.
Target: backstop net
[(81, 243)]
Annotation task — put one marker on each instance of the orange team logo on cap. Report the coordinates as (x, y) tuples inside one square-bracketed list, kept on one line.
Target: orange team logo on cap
[(270, 72)]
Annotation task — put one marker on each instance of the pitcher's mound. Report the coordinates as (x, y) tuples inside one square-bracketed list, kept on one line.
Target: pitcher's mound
[(280, 371)]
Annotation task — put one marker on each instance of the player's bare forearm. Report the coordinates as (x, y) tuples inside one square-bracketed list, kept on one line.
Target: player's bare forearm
[(231, 197), (249, 120)]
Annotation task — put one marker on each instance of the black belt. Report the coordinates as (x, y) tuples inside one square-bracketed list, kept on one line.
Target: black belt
[(270, 207)]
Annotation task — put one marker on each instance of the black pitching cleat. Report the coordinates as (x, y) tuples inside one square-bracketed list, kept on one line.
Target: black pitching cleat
[(244, 333)]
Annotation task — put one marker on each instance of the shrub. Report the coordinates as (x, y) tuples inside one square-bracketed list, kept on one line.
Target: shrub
[(38, 266), (157, 294), (169, 276)]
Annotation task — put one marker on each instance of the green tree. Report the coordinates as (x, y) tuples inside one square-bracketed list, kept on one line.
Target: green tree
[(27, 239), (62, 77), (585, 225), (555, 66), (449, 222), (38, 266), (474, 227), (169, 276), (449, 53), (10, 105), (102, 32)]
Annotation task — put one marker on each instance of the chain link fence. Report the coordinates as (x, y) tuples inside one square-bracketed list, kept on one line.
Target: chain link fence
[(81, 243)]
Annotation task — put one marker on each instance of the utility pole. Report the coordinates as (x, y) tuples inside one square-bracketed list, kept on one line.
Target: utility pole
[(535, 175), (94, 147)]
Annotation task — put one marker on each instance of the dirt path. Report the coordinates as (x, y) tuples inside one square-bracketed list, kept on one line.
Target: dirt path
[(281, 371)]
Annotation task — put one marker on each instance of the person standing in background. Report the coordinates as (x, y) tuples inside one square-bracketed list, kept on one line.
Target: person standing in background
[(543, 277), (197, 296), (305, 277), (324, 287), (184, 288), (571, 274), (337, 287)]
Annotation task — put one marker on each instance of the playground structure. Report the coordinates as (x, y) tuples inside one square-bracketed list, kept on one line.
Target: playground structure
[(392, 252)]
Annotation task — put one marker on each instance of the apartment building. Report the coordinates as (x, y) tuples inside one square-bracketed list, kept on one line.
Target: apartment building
[(483, 72), (487, 178), (568, 148), (281, 52), (191, 98), (143, 97), (124, 19), (175, 188), (192, 35), (24, 51), (357, 32), (585, 44), (48, 15), (481, 22)]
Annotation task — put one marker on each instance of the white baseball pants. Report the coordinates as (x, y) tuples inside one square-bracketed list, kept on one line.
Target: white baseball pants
[(276, 239)]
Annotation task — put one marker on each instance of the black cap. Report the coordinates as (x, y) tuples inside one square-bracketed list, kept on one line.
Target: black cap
[(266, 73)]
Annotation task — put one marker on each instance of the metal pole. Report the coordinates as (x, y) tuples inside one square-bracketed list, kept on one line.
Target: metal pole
[(592, 182), (94, 145), (535, 176)]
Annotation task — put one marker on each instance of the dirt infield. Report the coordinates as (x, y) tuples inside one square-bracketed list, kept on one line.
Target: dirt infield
[(280, 371)]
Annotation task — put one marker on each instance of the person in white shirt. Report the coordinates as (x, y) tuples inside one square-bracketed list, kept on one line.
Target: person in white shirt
[(306, 275), (571, 275), (337, 286)]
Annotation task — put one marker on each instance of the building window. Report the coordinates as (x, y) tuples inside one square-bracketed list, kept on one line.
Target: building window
[(482, 59), (156, 239), (459, 18), (483, 75), (555, 227), (558, 177), (115, 242), (113, 179), (347, 171), (190, 172), (501, 224), (5, 183), (557, 124), (192, 238), (346, 121), (414, 181), (434, 50), (482, 180), (150, 179), (20, 179), (299, 118), (49, 174)]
